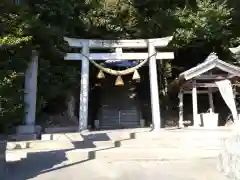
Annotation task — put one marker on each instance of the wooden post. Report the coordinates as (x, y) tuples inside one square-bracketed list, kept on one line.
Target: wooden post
[(180, 96), (234, 95), (194, 104), (234, 90), (210, 98), (156, 118), (83, 111)]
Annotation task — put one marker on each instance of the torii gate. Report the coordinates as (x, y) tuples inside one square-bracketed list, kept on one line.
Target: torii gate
[(84, 55)]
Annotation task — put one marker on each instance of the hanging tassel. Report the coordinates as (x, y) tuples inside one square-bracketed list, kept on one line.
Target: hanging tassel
[(136, 75), (119, 81), (100, 75)]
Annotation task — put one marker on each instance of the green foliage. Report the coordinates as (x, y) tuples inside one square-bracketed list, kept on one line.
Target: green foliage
[(207, 22), (235, 27), (199, 27), (14, 45), (21, 33)]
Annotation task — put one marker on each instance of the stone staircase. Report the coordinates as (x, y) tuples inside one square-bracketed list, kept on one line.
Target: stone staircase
[(119, 107), (124, 118), (133, 144)]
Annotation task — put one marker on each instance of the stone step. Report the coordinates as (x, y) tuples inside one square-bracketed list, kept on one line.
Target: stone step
[(15, 155), (155, 154), (126, 138), (125, 143), (168, 143), (145, 134), (180, 135), (119, 154), (59, 145), (122, 154), (40, 145), (69, 154), (63, 136), (105, 136), (94, 136), (109, 127), (114, 121)]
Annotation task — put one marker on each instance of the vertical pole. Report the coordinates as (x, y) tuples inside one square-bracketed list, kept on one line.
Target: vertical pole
[(210, 98), (155, 106), (234, 96), (234, 91), (236, 119), (194, 104), (180, 96), (83, 111), (30, 97)]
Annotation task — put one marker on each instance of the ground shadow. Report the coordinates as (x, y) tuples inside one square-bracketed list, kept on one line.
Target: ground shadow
[(34, 164), (43, 162)]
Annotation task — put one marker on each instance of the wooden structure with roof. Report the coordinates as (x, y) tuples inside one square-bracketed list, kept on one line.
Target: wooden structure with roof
[(201, 80)]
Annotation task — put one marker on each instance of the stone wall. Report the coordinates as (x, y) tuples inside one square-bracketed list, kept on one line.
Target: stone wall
[(229, 157)]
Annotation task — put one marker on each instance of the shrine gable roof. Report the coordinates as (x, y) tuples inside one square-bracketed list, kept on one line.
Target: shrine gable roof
[(211, 62)]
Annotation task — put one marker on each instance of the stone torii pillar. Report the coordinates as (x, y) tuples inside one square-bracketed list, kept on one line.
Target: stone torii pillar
[(155, 104), (30, 99), (84, 89)]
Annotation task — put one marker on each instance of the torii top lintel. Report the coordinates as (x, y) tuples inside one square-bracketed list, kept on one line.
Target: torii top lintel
[(118, 45), (125, 43)]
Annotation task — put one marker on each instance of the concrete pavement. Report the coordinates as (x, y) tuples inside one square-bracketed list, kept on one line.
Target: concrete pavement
[(56, 167)]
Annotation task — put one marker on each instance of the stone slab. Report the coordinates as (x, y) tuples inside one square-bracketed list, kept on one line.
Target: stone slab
[(62, 137), (39, 145), (18, 145)]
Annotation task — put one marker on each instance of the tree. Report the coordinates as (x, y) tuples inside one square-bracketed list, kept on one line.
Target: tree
[(21, 32), (207, 22), (14, 44), (199, 27)]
